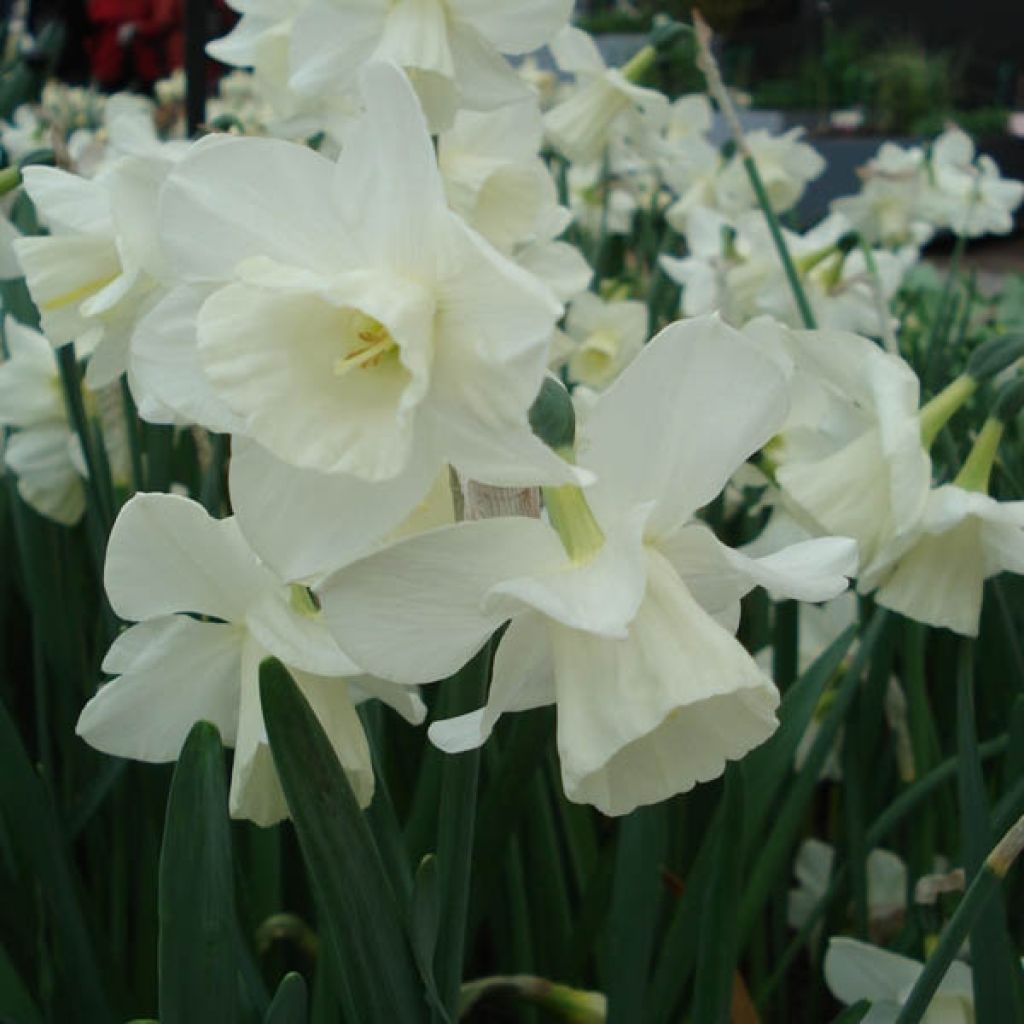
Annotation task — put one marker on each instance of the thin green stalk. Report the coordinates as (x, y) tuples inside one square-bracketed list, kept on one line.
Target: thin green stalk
[(876, 834), (984, 886), (716, 87), (994, 991), (71, 381), (131, 425)]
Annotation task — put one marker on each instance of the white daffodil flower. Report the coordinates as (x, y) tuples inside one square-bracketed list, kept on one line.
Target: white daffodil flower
[(493, 175), (344, 319), (785, 163), (855, 971), (451, 49), (966, 192), (886, 211), (261, 40), (581, 126), (208, 612), (601, 201), (622, 611), (887, 884), (39, 452), (102, 266), (852, 458), (605, 337), (964, 538)]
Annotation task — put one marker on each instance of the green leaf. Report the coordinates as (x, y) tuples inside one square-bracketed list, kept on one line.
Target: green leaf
[(630, 928), (426, 923), (996, 995), (769, 766), (716, 960), (15, 1002), (28, 810), (853, 1014), (198, 963), (373, 961), (291, 1003), (773, 851)]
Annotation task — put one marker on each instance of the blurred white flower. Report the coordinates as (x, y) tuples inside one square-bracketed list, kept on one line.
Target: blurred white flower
[(581, 126), (493, 175), (785, 164), (887, 211), (451, 49), (102, 265), (886, 876), (938, 576), (605, 337), (39, 451), (966, 193), (623, 611), (208, 613), (853, 460), (855, 971)]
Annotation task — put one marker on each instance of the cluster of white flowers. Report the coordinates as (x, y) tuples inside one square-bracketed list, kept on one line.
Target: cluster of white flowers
[(364, 281)]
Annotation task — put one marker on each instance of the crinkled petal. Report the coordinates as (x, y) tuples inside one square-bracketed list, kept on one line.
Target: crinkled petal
[(645, 718)]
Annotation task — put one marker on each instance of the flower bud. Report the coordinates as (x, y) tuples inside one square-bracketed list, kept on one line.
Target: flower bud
[(552, 416)]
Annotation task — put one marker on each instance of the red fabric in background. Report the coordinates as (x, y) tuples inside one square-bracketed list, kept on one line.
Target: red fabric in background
[(156, 49)]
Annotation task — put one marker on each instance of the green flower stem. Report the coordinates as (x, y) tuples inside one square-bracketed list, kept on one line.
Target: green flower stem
[(974, 476), (716, 87), (884, 824), (10, 179), (72, 383), (985, 885), (937, 413)]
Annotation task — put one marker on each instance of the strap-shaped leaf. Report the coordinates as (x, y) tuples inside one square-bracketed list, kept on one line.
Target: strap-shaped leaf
[(198, 963), (28, 810), (291, 1003), (354, 897), (716, 961)]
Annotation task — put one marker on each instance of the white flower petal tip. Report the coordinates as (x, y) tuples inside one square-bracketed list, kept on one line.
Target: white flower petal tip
[(457, 735)]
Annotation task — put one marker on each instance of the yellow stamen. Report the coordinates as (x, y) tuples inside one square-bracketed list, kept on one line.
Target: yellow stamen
[(377, 344), (78, 294)]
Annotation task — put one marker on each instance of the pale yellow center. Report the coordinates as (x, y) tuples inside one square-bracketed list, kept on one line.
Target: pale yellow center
[(371, 342)]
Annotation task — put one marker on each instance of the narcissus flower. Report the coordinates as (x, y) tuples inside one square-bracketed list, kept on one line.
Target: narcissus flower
[(451, 49), (622, 606), (39, 451), (101, 267), (886, 877), (854, 461), (581, 126), (855, 971), (605, 336), (208, 613), (964, 539), (966, 192), (346, 320)]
